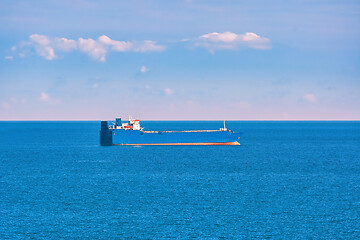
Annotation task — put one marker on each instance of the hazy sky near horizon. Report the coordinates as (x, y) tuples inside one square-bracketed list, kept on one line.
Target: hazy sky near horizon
[(181, 59)]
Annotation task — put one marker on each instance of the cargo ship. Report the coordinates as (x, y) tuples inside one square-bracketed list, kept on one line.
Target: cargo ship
[(131, 133)]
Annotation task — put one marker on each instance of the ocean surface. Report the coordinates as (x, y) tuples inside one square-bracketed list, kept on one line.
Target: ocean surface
[(287, 180)]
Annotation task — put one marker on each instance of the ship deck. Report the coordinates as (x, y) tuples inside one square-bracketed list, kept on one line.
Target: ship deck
[(189, 131)]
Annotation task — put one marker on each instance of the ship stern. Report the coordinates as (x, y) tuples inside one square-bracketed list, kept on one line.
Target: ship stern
[(105, 134)]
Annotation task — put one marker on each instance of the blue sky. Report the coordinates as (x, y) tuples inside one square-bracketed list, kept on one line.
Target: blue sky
[(91, 60)]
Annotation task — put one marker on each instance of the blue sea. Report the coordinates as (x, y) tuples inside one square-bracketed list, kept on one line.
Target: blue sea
[(287, 180)]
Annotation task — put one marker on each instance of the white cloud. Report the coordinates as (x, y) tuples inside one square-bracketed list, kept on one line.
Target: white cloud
[(147, 46), (220, 37), (64, 44), (40, 39), (44, 97), (96, 48), (46, 52), (93, 48), (232, 41), (9, 57), (310, 97), (119, 46), (253, 40), (95, 85), (168, 91), (43, 46), (144, 69)]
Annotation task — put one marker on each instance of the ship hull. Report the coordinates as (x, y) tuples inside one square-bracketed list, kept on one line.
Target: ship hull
[(110, 137), (132, 137), (179, 144)]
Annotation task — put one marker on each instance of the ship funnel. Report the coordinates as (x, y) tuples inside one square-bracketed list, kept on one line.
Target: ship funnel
[(118, 121)]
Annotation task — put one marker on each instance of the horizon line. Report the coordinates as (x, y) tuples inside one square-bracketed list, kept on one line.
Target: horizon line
[(82, 120)]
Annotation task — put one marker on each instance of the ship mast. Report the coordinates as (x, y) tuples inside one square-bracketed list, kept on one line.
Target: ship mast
[(224, 129)]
